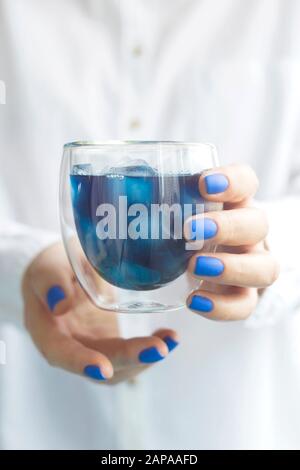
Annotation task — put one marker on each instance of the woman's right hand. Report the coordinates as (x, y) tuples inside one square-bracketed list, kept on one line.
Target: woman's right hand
[(73, 334)]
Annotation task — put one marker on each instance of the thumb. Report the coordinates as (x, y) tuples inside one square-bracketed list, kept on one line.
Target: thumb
[(52, 279)]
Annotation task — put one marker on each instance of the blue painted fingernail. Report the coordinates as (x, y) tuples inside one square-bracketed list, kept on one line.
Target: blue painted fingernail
[(208, 266), (202, 304), (216, 183), (54, 296), (202, 229), (150, 355), (171, 343), (93, 372)]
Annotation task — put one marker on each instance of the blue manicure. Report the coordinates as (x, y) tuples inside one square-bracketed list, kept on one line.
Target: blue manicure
[(208, 266), (202, 229), (171, 343), (201, 304), (54, 296), (216, 183), (93, 372), (150, 355)]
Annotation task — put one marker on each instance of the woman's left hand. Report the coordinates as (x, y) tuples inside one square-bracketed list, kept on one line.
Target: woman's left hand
[(242, 264)]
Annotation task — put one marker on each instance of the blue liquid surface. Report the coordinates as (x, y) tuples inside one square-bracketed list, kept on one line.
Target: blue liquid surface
[(141, 264)]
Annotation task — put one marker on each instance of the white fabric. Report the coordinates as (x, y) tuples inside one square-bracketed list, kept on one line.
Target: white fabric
[(224, 71)]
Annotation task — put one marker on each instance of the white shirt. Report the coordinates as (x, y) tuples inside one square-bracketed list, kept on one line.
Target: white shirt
[(224, 71)]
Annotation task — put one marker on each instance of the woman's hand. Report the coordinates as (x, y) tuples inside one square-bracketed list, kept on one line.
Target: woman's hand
[(75, 335), (242, 265)]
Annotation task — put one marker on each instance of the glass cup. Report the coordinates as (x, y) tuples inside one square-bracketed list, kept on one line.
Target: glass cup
[(123, 206)]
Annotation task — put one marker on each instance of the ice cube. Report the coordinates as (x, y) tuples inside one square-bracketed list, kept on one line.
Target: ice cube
[(84, 169), (136, 168)]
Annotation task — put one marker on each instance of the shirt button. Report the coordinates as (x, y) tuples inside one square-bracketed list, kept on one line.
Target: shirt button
[(137, 51), (134, 124)]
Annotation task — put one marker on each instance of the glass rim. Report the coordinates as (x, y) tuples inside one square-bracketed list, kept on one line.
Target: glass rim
[(107, 143)]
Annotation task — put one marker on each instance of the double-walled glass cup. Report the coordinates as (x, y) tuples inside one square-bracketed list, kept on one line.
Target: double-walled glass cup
[(123, 209)]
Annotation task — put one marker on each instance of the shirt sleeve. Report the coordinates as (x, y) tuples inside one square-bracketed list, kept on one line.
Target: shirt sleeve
[(19, 244)]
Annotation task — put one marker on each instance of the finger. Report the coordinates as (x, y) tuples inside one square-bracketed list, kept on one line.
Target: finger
[(61, 350), (232, 183), (170, 337), (135, 352), (52, 280), (130, 357), (235, 305), (236, 227), (244, 270)]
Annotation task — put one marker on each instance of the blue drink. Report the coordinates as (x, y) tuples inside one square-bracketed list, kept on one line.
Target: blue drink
[(137, 264)]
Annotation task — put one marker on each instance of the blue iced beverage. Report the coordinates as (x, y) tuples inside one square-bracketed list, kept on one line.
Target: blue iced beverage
[(145, 262)]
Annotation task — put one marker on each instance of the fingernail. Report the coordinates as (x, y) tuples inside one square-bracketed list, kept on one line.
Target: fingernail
[(202, 229), (202, 304), (54, 296), (208, 266), (93, 372), (150, 355), (216, 183), (171, 343)]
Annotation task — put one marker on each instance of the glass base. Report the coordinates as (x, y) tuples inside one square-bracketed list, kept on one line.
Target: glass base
[(141, 307)]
